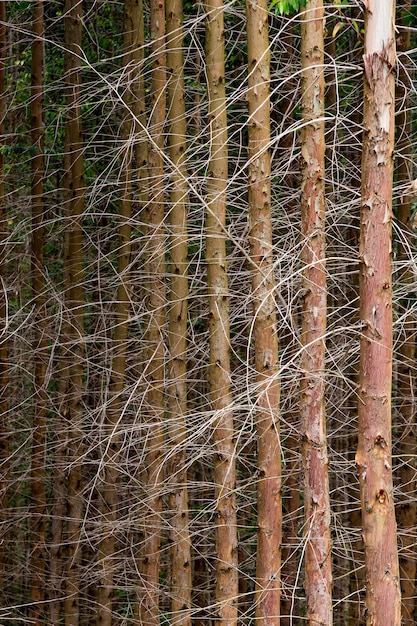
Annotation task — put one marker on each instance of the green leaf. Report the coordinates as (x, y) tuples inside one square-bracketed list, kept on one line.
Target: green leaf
[(284, 7)]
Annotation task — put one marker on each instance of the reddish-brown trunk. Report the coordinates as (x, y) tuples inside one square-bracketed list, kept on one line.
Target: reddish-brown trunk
[(177, 337), (318, 580), (148, 604), (268, 562), (217, 282), (383, 602)]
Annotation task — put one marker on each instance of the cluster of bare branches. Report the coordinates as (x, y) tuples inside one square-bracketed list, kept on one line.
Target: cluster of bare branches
[(208, 273)]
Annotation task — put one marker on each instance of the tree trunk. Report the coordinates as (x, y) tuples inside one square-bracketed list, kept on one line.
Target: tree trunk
[(38, 495), (268, 558), (318, 574), (177, 392), (4, 345), (383, 602), (75, 302), (114, 416), (218, 292), (406, 385), (156, 306)]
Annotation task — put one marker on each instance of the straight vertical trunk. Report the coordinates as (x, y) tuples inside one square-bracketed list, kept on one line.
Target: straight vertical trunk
[(4, 347), (383, 601), (75, 302), (114, 413), (406, 508), (218, 292), (318, 574), (268, 556), (156, 306), (38, 496), (177, 337)]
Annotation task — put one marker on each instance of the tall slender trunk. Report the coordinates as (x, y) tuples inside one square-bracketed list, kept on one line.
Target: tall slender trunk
[(218, 292), (75, 302), (38, 495), (177, 337), (4, 344), (383, 602), (268, 556), (156, 306), (406, 385), (318, 581), (114, 415)]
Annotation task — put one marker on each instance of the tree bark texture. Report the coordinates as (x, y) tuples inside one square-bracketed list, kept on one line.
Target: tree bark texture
[(114, 415), (406, 384), (268, 563), (4, 344), (218, 293), (318, 574), (156, 307), (38, 495), (383, 602), (181, 582), (75, 302)]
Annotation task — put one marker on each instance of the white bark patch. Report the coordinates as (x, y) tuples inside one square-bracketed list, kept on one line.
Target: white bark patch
[(380, 25)]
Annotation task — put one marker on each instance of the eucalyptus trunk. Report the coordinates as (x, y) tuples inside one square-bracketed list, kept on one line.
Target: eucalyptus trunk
[(218, 293), (373, 458), (38, 495), (155, 268), (181, 582), (268, 555), (74, 303), (318, 572)]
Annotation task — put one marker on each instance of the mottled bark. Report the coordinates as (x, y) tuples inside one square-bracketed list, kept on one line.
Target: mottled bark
[(177, 337), (318, 574), (383, 603), (268, 562), (218, 293)]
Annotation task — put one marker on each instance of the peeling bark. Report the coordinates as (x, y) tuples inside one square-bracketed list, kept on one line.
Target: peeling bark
[(375, 289), (318, 569)]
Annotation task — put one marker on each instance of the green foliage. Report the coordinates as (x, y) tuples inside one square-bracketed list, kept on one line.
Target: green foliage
[(285, 7)]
